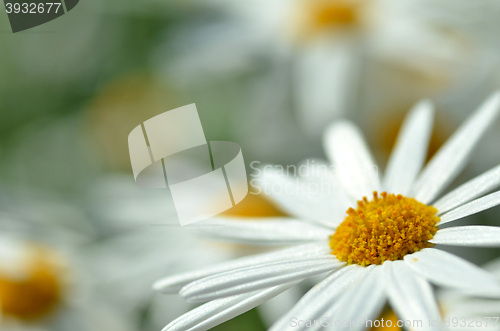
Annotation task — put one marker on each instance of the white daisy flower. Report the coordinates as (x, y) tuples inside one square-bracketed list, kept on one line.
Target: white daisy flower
[(320, 49), (42, 287), (46, 283), (383, 250), (31, 280)]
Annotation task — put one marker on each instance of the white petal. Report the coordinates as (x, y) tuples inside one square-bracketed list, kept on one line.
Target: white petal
[(475, 235), (410, 295), (311, 196), (410, 150), (472, 208), (453, 156), (365, 299), (474, 188), (257, 277), (322, 296), (173, 284), (448, 270), (347, 150), (331, 201), (13, 254), (284, 190), (265, 231), (493, 267), (474, 307), (218, 311)]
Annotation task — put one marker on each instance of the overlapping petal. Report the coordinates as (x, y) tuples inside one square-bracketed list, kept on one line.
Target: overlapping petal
[(218, 311), (275, 231), (257, 277), (364, 300), (174, 283), (453, 156), (448, 270), (309, 196), (322, 296), (472, 208), (474, 188), (410, 295)]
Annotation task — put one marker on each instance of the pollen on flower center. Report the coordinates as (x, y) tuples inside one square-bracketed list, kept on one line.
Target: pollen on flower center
[(37, 293), (385, 228)]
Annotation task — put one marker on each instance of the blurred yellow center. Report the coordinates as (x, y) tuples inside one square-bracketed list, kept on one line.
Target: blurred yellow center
[(387, 128), (314, 17), (385, 228), (254, 205), (388, 322), (331, 13), (36, 294)]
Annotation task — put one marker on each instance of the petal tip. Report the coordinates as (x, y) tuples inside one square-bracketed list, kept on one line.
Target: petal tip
[(337, 125), (426, 104), (493, 101), (157, 286)]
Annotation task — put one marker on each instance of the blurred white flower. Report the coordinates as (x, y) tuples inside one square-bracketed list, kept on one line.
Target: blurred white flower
[(331, 52), (146, 241), (46, 282)]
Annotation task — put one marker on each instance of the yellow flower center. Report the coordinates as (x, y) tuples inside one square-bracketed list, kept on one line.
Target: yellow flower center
[(332, 13), (37, 293), (315, 17), (385, 228)]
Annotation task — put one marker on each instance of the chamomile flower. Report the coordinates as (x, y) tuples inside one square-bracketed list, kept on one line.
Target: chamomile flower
[(42, 288), (32, 280), (46, 282), (378, 249)]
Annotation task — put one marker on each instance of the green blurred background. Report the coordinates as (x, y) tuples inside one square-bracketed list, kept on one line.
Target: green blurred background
[(72, 89)]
